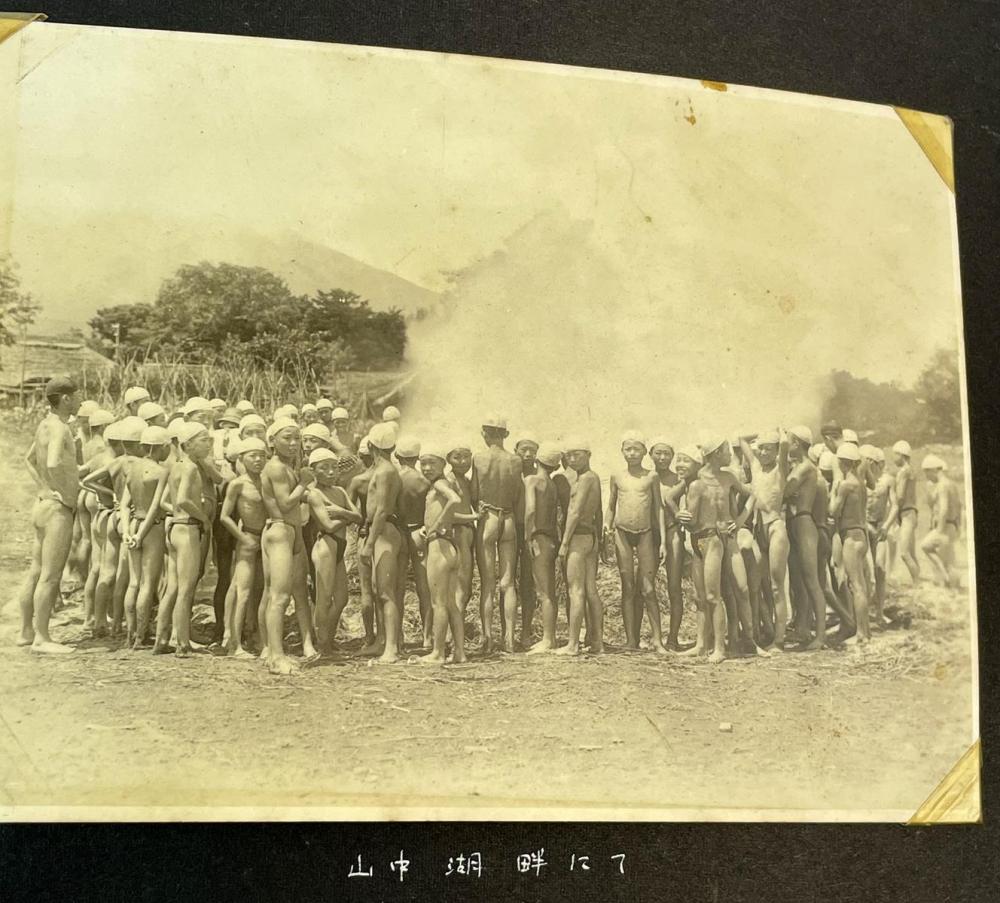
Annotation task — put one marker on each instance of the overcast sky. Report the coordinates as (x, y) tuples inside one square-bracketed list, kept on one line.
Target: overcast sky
[(822, 222)]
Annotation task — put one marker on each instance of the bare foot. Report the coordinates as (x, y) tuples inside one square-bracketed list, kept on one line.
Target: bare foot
[(568, 649), (716, 657), (308, 649), (541, 646), (264, 654), (488, 646), (242, 653), (183, 651), (433, 659), (26, 638), (457, 658), (660, 649), (371, 649), (161, 648), (387, 659), (815, 645), (596, 649), (47, 647), (694, 650), (283, 665), (763, 653)]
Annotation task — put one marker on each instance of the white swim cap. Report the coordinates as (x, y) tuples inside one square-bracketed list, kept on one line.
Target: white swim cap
[(848, 451), (363, 448), (867, 451), (526, 440), (549, 454), (132, 428), (136, 393), (245, 407), (660, 440), (113, 433), (495, 421), (87, 408), (324, 404), (340, 414), (321, 454), (150, 409), (802, 433), (383, 436), (576, 443), (459, 445), (932, 462), (251, 420), (308, 406), (902, 448), (155, 435), (431, 450), (827, 461), (174, 429), (318, 431), (282, 423), (100, 417), (816, 452), (218, 403), (407, 447), (878, 455), (196, 403), (251, 443), (692, 452), (390, 413), (768, 437), (633, 436), (849, 436), (712, 445), (189, 430)]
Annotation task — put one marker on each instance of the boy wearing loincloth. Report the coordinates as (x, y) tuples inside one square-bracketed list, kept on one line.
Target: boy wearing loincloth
[(579, 550), (52, 462), (946, 521), (668, 537), (243, 515), (442, 513), (411, 505), (497, 485), (848, 512), (357, 492), (541, 530), (526, 449), (906, 511), (632, 515), (460, 461)]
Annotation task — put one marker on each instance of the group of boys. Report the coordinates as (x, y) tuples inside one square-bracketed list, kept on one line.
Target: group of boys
[(786, 541)]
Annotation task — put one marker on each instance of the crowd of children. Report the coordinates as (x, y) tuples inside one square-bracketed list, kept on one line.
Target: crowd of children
[(788, 543)]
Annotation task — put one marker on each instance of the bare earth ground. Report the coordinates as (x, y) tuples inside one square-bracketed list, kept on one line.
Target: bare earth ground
[(831, 730)]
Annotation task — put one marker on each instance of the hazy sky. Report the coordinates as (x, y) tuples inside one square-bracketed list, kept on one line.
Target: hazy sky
[(820, 224)]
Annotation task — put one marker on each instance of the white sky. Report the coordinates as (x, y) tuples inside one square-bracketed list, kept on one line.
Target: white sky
[(822, 222)]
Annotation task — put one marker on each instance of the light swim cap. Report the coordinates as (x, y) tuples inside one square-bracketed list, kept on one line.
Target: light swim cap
[(848, 451), (692, 452), (230, 415), (196, 403), (867, 451), (660, 440), (878, 455), (321, 454), (135, 393), (431, 450), (101, 417), (383, 436), (155, 435), (768, 437), (526, 440), (132, 428), (827, 461), (87, 408), (150, 409), (282, 423), (340, 414), (251, 420), (576, 443), (932, 462), (363, 448), (459, 445), (251, 443), (816, 452), (324, 404), (802, 433), (174, 429), (495, 421), (712, 445), (633, 436), (318, 431), (390, 413), (189, 430), (407, 447), (902, 448), (245, 407), (849, 436), (549, 454)]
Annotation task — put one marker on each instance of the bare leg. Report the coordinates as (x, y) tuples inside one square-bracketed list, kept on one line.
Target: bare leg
[(324, 567), (456, 616), (647, 565), (932, 542), (594, 606), (626, 572), (279, 541), (442, 561), (855, 549), (187, 549), (777, 560), (701, 600), (714, 552), (120, 585), (545, 587), (423, 591), (675, 571), (506, 563), (580, 547), (132, 593), (806, 542), (300, 596), (150, 566), (487, 537), (168, 601), (90, 587), (385, 562), (907, 544), (526, 593), (374, 634), (464, 539)]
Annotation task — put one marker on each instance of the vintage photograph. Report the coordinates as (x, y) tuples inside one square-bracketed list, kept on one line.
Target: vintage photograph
[(398, 435)]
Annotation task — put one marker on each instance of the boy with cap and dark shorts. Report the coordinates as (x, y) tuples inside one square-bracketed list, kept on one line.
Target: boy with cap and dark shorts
[(51, 461)]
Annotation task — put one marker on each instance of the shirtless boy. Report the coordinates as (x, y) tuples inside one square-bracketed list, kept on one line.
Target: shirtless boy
[(541, 530), (51, 461), (668, 539), (143, 531), (384, 542), (243, 515), (411, 505), (498, 487), (906, 500), (712, 519), (880, 502), (437, 538), (283, 489), (357, 492), (768, 472), (460, 460), (133, 398), (96, 453), (332, 511), (800, 491), (848, 512), (634, 511), (526, 449), (579, 550), (946, 520)]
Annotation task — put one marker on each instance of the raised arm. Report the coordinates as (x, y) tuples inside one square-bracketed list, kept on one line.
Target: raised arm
[(94, 482), (451, 501)]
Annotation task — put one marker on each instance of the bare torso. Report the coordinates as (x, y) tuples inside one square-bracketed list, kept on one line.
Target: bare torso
[(499, 475)]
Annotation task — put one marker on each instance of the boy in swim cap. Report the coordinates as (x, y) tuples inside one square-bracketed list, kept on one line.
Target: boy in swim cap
[(848, 512), (633, 513), (357, 492), (906, 513), (460, 461), (243, 516), (437, 539), (946, 520), (411, 505), (541, 531), (526, 449)]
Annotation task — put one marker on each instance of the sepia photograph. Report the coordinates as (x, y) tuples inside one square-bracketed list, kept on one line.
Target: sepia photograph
[(388, 434)]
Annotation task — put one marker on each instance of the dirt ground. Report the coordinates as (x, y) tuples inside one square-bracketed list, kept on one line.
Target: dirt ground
[(838, 729)]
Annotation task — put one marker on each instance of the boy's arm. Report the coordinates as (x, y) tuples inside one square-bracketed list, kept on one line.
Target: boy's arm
[(529, 508), (452, 501), (843, 487), (893, 512), (124, 518), (154, 508), (576, 501), (285, 495), (29, 462), (609, 515), (185, 501), (378, 504), (233, 491), (320, 509), (783, 465)]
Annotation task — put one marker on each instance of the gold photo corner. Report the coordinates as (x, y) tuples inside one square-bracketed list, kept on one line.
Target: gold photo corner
[(957, 799), (11, 23), (933, 133)]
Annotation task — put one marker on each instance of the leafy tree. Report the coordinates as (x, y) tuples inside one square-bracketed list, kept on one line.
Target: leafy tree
[(135, 325), (17, 309), (938, 390)]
